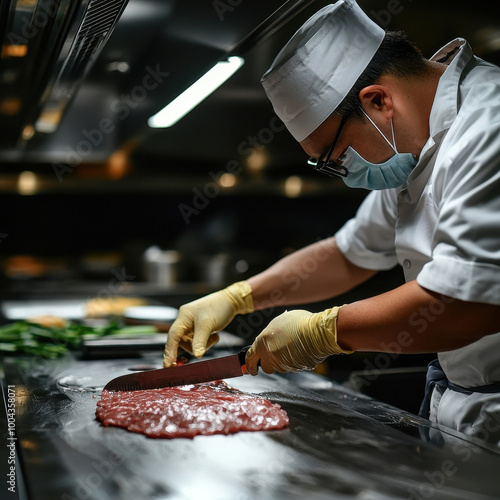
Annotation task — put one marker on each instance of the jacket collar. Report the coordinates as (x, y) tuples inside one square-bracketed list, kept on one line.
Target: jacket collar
[(456, 54)]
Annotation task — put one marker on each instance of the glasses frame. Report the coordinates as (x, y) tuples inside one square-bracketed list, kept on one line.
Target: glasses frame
[(328, 166)]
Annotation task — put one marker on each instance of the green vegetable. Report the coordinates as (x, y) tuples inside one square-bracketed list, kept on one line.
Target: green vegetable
[(51, 342)]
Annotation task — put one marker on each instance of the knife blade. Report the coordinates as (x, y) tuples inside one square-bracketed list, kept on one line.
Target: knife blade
[(191, 373)]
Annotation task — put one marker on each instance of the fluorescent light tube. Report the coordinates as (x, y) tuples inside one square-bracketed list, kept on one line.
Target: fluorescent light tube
[(192, 96)]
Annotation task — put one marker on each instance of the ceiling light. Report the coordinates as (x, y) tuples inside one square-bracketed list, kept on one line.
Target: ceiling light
[(257, 160), (27, 183), (192, 96), (227, 180), (28, 132), (14, 51), (118, 67), (293, 186)]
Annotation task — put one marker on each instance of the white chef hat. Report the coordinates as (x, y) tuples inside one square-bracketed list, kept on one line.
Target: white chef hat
[(317, 68)]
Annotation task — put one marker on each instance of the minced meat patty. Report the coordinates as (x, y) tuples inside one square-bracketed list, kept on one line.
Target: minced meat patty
[(188, 411)]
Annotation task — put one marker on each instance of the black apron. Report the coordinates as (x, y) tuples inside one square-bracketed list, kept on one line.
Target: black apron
[(436, 377)]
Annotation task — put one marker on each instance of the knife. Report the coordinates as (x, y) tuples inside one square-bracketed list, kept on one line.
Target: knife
[(191, 373)]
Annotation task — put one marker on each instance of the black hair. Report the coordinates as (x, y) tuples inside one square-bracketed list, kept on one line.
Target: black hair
[(396, 56)]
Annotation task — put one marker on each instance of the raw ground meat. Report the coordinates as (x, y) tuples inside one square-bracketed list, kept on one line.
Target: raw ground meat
[(190, 410)]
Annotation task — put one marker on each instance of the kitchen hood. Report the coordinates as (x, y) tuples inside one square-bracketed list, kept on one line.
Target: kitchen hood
[(48, 47), (79, 79)]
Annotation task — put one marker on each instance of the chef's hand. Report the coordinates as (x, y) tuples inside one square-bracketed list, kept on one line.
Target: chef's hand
[(295, 341), (198, 322)]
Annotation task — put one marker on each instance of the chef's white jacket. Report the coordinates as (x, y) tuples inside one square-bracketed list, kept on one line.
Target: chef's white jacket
[(443, 225)]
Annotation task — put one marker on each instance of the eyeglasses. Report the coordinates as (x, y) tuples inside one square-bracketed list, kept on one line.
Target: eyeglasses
[(328, 166)]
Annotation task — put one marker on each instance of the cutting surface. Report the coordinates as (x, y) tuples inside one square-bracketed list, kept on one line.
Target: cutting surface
[(339, 445)]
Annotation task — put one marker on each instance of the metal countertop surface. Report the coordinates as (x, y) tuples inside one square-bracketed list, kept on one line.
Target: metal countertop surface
[(340, 445)]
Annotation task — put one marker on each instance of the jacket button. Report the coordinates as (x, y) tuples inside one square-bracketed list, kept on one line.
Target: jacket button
[(407, 264)]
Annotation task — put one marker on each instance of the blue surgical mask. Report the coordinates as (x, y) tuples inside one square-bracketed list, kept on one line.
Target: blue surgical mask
[(389, 174)]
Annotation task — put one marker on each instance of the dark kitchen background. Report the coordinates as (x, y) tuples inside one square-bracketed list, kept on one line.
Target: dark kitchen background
[(87, 187)]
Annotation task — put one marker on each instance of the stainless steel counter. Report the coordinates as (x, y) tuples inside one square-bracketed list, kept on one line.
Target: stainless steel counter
[(340, 445)]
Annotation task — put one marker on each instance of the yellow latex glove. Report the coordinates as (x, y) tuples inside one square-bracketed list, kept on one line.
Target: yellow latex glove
[(295, 341), (198, 322)]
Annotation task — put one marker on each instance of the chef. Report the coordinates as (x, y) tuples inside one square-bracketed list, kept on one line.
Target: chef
[(423, 136)]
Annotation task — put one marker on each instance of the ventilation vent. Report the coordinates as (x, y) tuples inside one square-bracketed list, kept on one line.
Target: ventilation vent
[(97, 24), (86, 38)]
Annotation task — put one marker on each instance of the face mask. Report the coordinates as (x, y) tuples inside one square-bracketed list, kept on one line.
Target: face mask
[(390, 174)]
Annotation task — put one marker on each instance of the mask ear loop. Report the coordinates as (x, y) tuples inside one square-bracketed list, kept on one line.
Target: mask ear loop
[(380, 132)]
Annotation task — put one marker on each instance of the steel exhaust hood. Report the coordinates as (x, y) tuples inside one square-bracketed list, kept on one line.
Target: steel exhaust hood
[(48, 47)]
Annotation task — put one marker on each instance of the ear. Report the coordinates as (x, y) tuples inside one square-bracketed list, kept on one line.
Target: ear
[(377, 98)]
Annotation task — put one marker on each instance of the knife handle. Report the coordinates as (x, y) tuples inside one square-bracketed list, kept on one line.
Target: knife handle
[(241, 357)]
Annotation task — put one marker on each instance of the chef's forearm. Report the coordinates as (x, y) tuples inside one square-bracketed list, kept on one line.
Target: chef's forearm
[(411, 319), (316, 272)]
